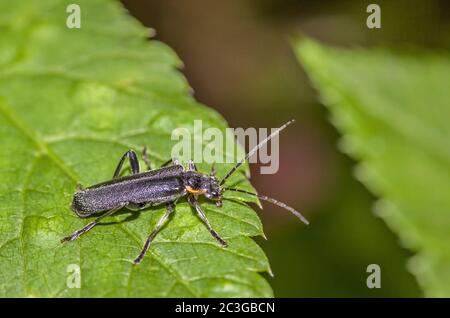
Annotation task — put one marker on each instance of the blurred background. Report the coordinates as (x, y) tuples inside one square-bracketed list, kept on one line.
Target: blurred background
[(239, 61)]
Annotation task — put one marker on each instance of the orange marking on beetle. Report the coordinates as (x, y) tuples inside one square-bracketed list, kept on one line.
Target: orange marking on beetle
[(193, 191)]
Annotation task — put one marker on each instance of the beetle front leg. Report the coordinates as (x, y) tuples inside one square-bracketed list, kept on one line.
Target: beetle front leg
[(89, 226), (134, 163), (194, 203), (169, 209)]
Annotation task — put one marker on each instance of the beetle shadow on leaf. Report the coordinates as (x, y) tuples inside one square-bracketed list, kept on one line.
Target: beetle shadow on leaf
[(132, 216)]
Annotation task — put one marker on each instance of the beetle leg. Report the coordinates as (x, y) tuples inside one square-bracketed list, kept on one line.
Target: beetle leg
[(136, 206), (166, 163), (89, 226), (146, 158), (213, 170), (192, 166), (169, 209), (194, 203), (134, 163), (175, 161)]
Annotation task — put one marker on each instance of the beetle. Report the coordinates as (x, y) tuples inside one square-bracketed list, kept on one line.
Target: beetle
[(165, 185)]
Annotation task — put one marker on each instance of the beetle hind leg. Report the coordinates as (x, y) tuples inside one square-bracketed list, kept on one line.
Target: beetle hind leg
[(90, 225), (170, 207)]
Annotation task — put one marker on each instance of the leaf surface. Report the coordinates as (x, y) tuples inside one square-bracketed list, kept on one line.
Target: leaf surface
[(72, 101)]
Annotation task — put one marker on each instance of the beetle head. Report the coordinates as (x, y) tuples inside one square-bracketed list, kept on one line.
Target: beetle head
[(208, 185)]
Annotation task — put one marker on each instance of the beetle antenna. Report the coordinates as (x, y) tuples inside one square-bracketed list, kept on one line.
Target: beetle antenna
[(255, 149), (276, 202)]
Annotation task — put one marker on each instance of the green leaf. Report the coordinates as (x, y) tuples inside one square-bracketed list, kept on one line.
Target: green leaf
[(393, 112), (72, 101)]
